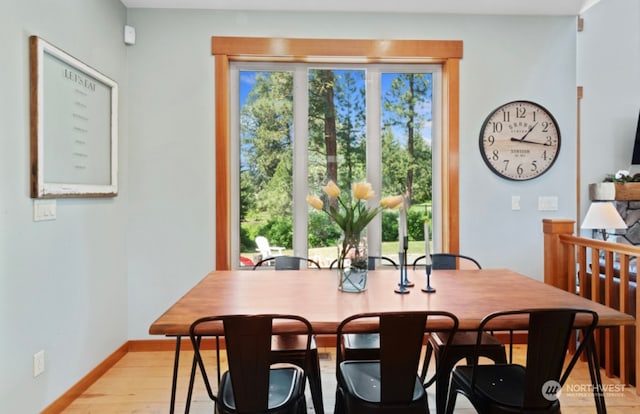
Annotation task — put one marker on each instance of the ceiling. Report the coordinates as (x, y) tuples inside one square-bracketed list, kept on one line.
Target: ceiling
[(517, 7)]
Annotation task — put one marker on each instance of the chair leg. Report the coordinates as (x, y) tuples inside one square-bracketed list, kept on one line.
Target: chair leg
[(427, 360), (451, 401), (339, 403), (174, 380), (596, 379), (192, 377), (444, 369), (315, 382)]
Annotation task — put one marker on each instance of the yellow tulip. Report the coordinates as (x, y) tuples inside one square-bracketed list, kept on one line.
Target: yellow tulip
[(331, 189), (392, 202), (363, 191), (315, 202)]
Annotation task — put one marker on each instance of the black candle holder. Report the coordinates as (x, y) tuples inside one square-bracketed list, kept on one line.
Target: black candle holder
[(402, 287), (428, 288), (404, 279)]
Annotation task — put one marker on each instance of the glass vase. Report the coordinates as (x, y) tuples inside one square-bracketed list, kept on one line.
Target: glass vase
[(352, 264)]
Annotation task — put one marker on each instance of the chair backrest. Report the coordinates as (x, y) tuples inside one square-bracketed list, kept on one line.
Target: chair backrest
[(371, 264), (401, 339), (288, 262), (248, 347), (263, 246), (549, 332), (383, 259), (449, 261)]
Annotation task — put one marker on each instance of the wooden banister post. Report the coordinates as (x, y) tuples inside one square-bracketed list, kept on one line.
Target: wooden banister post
[(555, 260)]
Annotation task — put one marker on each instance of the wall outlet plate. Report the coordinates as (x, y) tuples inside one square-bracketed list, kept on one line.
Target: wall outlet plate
[(547, 203), (38, 363)]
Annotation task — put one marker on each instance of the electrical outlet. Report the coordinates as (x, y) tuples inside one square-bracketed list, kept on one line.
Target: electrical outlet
[(547, 203), (38, 363)]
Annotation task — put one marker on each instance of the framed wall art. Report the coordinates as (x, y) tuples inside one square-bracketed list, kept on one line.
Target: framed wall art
[(74, 126)]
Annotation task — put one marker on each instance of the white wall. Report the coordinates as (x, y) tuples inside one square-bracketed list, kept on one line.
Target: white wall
[(609, 70), (63, 283), (171, 239)]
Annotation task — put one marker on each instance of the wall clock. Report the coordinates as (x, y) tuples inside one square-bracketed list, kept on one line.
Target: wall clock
[(520, 140)]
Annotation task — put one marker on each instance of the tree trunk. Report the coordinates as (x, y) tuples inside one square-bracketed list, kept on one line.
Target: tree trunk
[(330, 125)]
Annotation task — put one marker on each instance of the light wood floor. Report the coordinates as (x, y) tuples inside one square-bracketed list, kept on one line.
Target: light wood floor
[(141, 382)]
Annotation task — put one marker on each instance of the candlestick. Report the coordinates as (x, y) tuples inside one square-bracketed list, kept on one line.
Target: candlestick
[(404, 264), (402, 228), (428, 288), (427, 258), (402, 287), (427, 244)]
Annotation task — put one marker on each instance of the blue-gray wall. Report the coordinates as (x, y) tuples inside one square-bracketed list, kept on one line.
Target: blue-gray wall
[(172, 128), (63, 283), (80, 286)]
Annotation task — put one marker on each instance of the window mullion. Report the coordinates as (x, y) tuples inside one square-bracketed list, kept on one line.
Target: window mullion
[(374, 154), (300, 159), (234, 158)]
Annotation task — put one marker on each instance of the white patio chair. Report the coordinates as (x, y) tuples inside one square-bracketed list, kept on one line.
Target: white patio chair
[(267, 250)]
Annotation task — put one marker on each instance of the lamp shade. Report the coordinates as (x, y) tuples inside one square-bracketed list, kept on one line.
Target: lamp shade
[(603, 215)]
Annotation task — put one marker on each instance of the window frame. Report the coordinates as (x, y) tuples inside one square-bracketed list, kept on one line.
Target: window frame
[(446, 53)]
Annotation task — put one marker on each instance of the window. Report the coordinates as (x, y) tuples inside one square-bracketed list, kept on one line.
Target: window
[(363, 123), (308, 61)]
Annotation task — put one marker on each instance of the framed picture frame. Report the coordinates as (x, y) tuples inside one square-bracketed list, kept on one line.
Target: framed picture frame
[(74, 126)]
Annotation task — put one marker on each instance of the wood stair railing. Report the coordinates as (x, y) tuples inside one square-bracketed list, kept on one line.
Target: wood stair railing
[(572, 262)]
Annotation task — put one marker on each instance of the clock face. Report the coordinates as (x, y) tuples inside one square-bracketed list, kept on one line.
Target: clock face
[(520, 140)]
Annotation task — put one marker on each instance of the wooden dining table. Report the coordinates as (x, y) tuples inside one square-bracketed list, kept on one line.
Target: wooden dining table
[(314, 294)]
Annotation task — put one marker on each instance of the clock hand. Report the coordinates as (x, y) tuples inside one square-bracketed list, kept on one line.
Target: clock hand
[(525, 135), (528, 142)]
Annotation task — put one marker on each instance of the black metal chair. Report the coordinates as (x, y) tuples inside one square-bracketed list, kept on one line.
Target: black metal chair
[(371, 265), (252, 384), (533, 387), (462, 345), (364, 346), (287, 262), (448, 261), (389, 384), (289, 348)]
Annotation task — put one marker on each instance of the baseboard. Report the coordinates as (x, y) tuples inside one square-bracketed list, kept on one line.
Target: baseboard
[(81, 386), (152, 345)]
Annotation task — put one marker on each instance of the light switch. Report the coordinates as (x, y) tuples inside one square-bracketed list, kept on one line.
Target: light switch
[(515, 202), (44, 210), (129, 35)]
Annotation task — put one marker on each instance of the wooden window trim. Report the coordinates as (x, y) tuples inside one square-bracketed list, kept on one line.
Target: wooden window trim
[(444, 52)]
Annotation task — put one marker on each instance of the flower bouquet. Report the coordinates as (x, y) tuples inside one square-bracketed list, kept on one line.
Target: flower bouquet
[(352, 216)]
